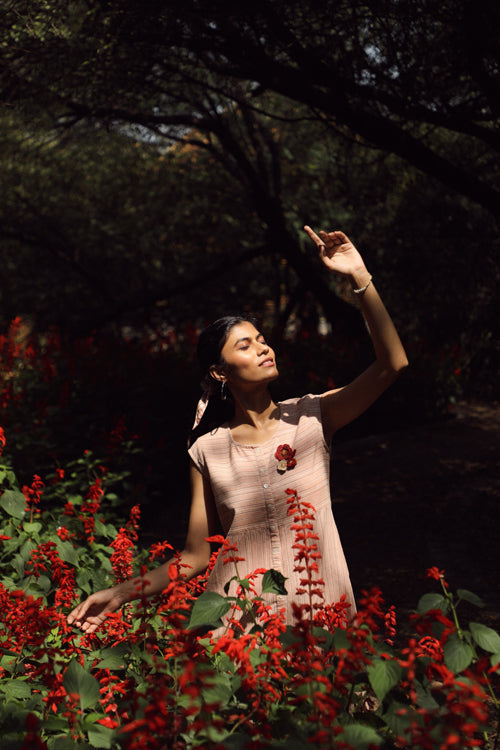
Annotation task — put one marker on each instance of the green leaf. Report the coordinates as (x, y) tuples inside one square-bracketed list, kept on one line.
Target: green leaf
[(340, 639), (37, 586), (485, 637), (324, 638), (15, 688), (27, 548), (77, 680), (397, 718), (273, 582), (432, 601), (228, 584), (18, 565), (208, 610), (65, 743), (457, 654), (67, 552), (360, 736), (383, 676), (469, 596), (494, 659), (220, 691), (83, 579), (100, 736), (55, 724), (14, 503), (32, 528), (114, 658), (424, 698)]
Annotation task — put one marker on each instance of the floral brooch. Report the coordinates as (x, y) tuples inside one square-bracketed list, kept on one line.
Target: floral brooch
[(286, 458)]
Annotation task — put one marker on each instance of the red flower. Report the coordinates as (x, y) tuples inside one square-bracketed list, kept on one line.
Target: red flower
[(122, 557), (59, 475), (285, 457), (434, 573), (430, 646)]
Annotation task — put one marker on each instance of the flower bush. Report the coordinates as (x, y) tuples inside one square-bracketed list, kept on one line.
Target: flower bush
[(179, 672)]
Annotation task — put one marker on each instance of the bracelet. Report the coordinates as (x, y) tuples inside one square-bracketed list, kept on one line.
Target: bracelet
[(363, 288)]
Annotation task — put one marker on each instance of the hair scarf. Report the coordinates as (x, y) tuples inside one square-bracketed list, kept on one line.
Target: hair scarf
[(209, 386)]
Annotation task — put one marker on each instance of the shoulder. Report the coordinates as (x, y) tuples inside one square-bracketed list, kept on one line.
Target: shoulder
[(308, 405), (209, 440), (207, 445)]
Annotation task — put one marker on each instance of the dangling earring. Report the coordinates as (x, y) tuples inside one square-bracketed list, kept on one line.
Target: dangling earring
[(223, 393)]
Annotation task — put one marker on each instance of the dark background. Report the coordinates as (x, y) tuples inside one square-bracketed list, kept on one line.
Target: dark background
[(157, 166)]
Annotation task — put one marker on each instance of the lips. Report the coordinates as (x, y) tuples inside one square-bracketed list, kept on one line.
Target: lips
[(269, 362)]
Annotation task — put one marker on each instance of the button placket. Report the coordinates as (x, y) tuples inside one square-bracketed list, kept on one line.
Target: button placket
[(270, 506)]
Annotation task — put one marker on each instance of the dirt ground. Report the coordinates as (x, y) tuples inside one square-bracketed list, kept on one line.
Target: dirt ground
[(405, 501)]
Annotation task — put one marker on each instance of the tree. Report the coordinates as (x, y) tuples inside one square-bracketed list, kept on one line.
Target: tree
[(396, 85), (402, 75)]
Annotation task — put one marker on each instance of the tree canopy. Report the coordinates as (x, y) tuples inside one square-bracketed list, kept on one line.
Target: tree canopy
[(155, 150), (402, 75)]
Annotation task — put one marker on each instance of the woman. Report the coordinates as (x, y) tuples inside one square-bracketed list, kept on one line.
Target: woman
[(240, 468)]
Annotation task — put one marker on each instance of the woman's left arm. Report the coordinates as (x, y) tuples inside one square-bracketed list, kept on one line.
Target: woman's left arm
[(341, 405)]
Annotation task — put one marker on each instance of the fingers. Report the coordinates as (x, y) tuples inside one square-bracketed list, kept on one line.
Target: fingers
[(334, 238), (81, 618), (319, 242), (327, 242), (90, 624), (78, 614)]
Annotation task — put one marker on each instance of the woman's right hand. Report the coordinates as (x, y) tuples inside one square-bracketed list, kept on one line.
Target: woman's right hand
[(91, 613)]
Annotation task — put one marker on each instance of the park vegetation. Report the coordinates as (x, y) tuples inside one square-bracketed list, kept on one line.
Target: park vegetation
[(158, 162)]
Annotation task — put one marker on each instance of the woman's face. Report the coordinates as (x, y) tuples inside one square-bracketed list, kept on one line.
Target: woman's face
[(249, 361)]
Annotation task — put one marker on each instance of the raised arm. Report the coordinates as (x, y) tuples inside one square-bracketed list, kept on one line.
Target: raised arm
[(195, 556), (341, 405)]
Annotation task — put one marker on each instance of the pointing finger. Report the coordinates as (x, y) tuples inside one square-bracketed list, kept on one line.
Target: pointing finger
[(319, 242)]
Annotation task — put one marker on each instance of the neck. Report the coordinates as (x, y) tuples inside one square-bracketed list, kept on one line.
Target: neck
[(254, 409)]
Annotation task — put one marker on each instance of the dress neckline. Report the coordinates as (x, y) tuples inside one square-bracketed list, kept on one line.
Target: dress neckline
[(257, 445)]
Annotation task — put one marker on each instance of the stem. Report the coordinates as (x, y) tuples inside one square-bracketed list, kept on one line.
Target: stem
[(449, 598), (243, 720), (19, 657), (248, 605), (350, 698)]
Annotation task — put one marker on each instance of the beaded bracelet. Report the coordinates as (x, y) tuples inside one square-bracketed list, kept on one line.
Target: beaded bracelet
[(363, 288)]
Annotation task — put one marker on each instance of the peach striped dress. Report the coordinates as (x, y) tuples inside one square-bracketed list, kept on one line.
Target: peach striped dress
[(250, 497)]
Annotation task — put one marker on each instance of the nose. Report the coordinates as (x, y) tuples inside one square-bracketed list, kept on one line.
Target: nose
[(264, 349)]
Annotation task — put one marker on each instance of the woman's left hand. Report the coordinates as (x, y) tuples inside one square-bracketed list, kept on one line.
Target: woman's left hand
[(337, 252)]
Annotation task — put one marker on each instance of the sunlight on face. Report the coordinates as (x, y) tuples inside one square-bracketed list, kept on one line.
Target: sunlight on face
[(247, 357)]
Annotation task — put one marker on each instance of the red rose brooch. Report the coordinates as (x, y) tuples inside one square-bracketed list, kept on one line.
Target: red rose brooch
[(286, 458)]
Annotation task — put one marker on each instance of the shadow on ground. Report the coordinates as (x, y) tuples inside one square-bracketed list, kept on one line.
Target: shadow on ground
[(405, 501)]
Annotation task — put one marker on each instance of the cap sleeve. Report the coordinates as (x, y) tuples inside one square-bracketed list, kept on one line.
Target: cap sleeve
[(310, 405), (198, 457)]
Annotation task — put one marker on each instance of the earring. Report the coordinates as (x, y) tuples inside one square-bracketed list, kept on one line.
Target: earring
[(223, 393)]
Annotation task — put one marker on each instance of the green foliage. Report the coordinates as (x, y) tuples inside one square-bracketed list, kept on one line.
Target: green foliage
[(150, 676)]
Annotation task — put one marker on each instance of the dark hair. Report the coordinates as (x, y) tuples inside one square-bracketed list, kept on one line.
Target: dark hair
[(209, 354)]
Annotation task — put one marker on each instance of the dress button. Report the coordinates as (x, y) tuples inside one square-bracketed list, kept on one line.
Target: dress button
[(273, 528), (266, 486)]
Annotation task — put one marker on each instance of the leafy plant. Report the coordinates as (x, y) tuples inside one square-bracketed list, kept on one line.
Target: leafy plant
[(179, 672)]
